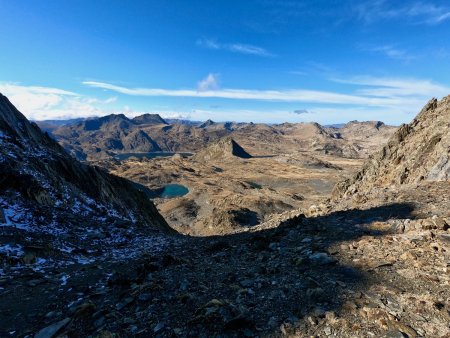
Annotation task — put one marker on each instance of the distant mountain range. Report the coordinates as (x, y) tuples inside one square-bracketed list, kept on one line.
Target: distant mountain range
[(103, 137)]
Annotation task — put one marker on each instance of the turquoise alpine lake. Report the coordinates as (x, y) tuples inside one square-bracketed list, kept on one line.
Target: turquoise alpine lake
[(173, 190)]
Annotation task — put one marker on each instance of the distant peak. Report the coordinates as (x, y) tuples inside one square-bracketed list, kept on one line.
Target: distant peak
[(149, 119), (207, 123), (112, 119), (223, 148)]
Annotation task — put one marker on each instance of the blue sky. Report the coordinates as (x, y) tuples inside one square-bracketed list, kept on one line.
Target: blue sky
[(254, 60)]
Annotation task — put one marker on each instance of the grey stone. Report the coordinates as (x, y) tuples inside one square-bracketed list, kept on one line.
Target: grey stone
[(52, 330)]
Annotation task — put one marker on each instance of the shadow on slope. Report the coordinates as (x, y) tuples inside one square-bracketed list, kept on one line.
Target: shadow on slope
[(251, 283)]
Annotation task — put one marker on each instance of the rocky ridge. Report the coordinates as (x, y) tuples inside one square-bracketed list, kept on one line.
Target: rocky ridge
[(418, 151)]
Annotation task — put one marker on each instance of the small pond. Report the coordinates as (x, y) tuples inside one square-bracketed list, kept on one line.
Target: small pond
[(172, 190), (150, 155)]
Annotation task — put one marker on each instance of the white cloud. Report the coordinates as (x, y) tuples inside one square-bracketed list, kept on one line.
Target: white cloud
[(248, 49), (210, 82), (240, 48), (421, 12), (396, 87), (392, 52), (382, 92), (175, 115), (430, 13), (42, 103), (169, 114)]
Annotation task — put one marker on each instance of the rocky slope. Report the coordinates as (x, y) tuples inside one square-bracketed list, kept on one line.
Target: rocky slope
[(419, 151), (363, 138), (57, 214), (38, 168)]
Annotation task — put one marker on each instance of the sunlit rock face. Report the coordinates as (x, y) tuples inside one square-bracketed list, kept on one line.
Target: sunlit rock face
[(418, 151)]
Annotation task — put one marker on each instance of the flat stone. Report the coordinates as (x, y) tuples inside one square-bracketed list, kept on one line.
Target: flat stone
[(321, 258), (246, 283), (51, 330), (159, 327), (124, 303), (445, 238), (395, 334)]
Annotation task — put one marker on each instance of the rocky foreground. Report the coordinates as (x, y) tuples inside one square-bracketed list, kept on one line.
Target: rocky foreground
[(376, 271)]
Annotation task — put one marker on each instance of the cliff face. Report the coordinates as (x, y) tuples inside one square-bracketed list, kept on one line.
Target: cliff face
[(419, 151), (36, 171)]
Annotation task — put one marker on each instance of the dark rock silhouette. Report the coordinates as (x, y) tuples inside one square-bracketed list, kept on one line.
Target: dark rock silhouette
[(221, 149)]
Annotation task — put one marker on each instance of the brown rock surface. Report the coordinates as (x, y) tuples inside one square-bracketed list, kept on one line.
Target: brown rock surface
[(419, 151)]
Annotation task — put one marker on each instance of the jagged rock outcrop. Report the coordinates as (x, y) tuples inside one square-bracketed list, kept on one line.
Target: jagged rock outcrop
[(419, 151), (38, 173), (222, 149)]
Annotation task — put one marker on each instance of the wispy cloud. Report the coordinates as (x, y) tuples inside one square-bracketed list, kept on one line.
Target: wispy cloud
[(42, 103), (417, 12), (210, 82), (395, 87), (294, 95), (391, 52), (240, 48), (402, 94)]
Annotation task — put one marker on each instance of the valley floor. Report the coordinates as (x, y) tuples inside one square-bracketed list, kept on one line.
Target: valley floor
[(229, 195)]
